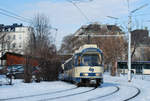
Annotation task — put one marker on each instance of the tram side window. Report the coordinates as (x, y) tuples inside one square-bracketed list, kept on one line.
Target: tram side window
[(73, 62), (68, 65), (147, 66), (65, 66), (77, 60)]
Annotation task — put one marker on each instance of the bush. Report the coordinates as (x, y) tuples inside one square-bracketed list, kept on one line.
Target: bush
[(50, 70)]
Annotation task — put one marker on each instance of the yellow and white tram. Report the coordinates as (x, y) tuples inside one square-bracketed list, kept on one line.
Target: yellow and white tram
[(85, 67)]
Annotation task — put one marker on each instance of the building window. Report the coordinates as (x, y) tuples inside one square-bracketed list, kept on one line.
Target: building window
[(8, 46), (8, 37), (14, 37), (3, 46), (20, 45), (14, 45), (13, 29), (20, 37)]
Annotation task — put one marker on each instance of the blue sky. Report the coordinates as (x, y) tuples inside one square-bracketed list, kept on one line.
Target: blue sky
[(64, 16)]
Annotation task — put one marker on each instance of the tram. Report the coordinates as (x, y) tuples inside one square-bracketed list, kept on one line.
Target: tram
[(85, 67)]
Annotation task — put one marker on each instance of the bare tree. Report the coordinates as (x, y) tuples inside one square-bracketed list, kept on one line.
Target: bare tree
[(138, 37), (114, 49), (67, 45), (42, 49), (146, 55)]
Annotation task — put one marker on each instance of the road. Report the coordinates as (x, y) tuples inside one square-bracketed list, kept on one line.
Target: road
[(113, 89)]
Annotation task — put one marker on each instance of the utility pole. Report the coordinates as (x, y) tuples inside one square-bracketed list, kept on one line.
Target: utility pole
[(129, 48), (129, 36)]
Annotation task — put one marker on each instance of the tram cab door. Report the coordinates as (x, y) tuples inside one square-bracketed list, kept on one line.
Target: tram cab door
[(78, 63)]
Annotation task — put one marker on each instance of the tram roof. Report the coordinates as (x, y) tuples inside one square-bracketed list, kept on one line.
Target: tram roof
[(87, 46)]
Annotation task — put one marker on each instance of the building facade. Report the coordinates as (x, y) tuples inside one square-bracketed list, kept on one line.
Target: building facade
[(140, 43), (93, 29), (14, 38)]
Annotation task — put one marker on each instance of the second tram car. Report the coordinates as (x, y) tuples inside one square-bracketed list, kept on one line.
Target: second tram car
[(85, 67), (137, 67)]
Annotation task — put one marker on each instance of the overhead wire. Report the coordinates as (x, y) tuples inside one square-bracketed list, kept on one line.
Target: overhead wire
[(13, 15), (144, 14), (4, 10), (79, 10)]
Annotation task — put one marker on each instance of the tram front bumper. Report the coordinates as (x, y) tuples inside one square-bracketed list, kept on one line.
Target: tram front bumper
[(93, 81)]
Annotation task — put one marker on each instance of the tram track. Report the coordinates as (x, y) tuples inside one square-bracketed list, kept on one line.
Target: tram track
[(115, 91), (117, 88), (28, 96), (59, 97), (135, 95), (111, 93)]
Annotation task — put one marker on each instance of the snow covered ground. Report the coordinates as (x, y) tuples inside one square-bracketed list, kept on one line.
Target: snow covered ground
[(114, 89)]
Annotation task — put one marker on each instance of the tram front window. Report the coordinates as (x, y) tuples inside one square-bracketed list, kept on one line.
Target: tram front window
[(91, 60)]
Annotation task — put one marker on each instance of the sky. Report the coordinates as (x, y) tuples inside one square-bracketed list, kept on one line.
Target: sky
[(67, 18)]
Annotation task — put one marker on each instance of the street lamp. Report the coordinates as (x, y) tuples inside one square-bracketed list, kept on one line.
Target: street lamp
[(129, 36)]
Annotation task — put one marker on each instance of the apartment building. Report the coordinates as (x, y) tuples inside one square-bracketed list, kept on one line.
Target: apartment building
[(93, 29), (14, 38)]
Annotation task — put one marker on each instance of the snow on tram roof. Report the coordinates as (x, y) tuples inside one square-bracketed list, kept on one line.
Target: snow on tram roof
[(86, 46)]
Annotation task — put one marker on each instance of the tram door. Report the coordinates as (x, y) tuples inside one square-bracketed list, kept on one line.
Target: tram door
[(139, 69)]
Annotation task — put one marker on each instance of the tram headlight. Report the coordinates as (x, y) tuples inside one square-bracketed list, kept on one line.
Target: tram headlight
[(98, 74), (83, 74)]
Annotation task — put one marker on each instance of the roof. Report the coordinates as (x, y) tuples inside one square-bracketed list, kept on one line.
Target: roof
[(4, 28), (5, 55), (96, 28), (113, 28)]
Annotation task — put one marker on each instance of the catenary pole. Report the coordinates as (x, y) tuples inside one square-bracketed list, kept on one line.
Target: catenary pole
[(129, 48), (129, 37)]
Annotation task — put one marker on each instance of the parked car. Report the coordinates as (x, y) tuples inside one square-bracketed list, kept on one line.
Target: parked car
[(1, 70), (15, 68), (15, 71)]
